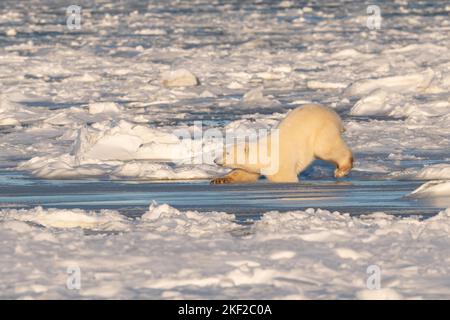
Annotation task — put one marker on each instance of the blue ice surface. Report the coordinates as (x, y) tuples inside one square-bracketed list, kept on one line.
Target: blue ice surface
[(246, 201)]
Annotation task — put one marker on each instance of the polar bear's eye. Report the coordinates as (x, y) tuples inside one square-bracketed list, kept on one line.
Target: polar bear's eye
[(246, 149)]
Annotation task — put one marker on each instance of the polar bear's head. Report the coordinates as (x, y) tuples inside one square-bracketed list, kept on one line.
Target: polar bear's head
[(259, 156), (235, 156), (246, 156)]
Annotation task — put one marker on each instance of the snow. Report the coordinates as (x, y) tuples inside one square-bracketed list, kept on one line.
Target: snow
[(179, 78), (437, 188), (256, 96), (102, 107), (11, 32), (110, 101), (124, 149), (324, 85), (54, 218), (436, 171), (169, 253), (416, 82), (375, 103)]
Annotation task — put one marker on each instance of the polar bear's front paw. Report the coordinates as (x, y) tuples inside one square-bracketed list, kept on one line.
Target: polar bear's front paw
[(339, 173), (222, 180)]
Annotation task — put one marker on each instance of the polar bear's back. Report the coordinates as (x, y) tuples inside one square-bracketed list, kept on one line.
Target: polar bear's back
[(311, 117)]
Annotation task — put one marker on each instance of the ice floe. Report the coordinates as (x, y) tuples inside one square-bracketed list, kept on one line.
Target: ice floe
[(179, 78)]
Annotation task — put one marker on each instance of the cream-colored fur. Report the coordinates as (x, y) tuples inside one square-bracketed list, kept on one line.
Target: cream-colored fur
[(307, 133), (237, 175)]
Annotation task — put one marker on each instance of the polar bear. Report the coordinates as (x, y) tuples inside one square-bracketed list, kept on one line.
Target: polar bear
[(307, 133)]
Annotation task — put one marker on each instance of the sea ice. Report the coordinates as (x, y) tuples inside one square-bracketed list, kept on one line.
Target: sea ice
[(302, 254)]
